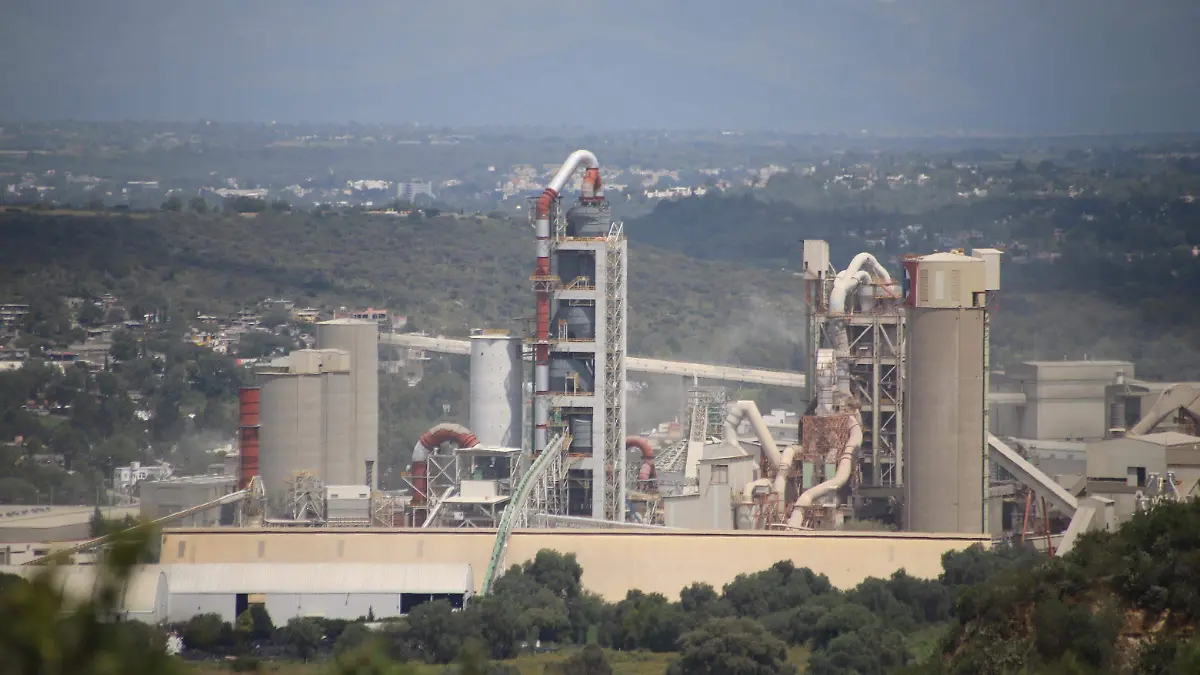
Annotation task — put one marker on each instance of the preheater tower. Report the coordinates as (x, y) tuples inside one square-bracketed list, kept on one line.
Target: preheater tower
[(579, 344), (946, 465)]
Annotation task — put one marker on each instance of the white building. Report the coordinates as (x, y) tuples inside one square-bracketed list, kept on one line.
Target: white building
[(127, 476)]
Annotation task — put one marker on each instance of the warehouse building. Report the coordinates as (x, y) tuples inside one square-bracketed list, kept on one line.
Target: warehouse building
[(331, 590), (145, 597)]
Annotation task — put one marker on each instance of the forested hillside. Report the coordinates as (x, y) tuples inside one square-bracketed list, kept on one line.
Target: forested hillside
[(447, 273), (1087, 277)]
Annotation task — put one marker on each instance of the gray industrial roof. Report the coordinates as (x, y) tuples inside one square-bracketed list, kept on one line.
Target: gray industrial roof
[(77, 583), (318, 578), (31, 517), (1168, 439)]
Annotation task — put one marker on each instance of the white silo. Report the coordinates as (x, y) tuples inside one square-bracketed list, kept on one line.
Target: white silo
[(945, 469), (495, 401), (361, 340), (304, 420)]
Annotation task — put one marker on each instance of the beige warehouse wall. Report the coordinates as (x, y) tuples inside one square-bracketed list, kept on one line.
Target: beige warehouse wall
[(614, 562)]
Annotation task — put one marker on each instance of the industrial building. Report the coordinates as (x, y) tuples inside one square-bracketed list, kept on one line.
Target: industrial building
[(144, 598), (176, 593), (339, 590), (614, 561), (907, 427), (165, 497)]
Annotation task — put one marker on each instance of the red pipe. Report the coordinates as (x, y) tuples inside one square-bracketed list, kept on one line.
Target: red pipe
[(544, 202), (647, 471), (448, 432), (248, 425), (429, 442)]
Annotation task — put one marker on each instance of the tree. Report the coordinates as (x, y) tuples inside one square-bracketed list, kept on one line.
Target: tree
[(198, 205), (588, 661), (303, 636), (731, 646), (90, 314), (207, 633), (173, 204), (54, 635), (96, 524)]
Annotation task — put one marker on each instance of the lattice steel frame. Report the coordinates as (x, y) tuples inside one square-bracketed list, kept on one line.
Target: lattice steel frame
[(877, 347), (616, 330)]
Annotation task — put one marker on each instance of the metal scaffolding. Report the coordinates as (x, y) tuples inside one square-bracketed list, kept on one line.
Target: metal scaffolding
[(614, 373), (877, 372)]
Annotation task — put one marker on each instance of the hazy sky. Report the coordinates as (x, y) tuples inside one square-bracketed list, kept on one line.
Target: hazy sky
[(799, 65)]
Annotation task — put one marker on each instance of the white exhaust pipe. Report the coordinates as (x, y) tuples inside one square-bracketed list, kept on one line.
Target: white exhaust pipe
[(748, 409), (845, 466)]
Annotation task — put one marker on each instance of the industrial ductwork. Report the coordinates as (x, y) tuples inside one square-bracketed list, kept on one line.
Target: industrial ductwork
[(429, 441), (845, 467), (543, 279), (854, 280), (646, 471), (1175, 397), (740, 410), (781, 462)]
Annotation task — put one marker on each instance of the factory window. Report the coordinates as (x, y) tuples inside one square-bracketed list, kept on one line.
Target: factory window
[(1136, 475), (720, 474), (262, 548), (182, 550)]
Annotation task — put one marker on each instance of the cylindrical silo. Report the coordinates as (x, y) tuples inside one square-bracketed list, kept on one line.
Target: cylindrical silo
[(304, 421), (944, 476), (496, 389), (361, 340)]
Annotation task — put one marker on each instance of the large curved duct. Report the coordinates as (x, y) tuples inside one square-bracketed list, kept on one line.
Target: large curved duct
[(749, 410), (647, 471), (425, 446), (846, 286), (1174, 397), (857, 277), (845, 466), (442, 433), (542, 279)]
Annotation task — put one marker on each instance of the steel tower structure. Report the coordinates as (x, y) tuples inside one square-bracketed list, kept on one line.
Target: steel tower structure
[(580, 339), (876, 337)]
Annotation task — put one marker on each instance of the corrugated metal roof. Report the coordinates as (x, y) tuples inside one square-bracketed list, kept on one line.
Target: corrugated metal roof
[(318, 578), (1168, 438), (57, 516), (77, 583)]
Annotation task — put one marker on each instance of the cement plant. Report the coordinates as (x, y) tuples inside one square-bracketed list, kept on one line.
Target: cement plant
[(911, 446)]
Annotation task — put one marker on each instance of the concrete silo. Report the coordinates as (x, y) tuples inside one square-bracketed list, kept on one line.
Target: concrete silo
[(361, 340), (496, 389), (304, 421), (946, 465)]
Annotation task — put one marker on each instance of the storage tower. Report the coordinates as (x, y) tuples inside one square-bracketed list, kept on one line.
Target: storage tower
[(361, 340), (946, 472), (306, 418), (495, 403)]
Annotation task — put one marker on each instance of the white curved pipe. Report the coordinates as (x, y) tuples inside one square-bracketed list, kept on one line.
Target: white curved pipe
[(748, 409), (574, 160), (844, 285), (748, 490), (781, 472), (845, 466)]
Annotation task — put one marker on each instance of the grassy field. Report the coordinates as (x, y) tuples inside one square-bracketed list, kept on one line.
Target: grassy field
[(623, 663)]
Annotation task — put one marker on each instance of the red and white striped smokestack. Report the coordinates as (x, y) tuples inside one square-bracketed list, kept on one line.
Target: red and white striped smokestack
[(541, 274)]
